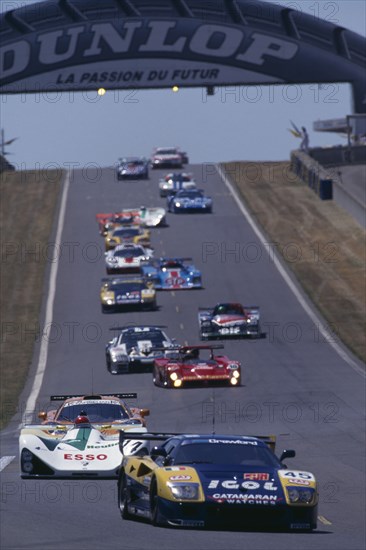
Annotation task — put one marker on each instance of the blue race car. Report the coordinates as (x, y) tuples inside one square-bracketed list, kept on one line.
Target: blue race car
[(172, 273), (132, 168), (189, 200), (233, 481)]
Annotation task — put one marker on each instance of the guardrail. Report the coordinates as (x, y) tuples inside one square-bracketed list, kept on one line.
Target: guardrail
[(336, 156), (313, 174), (327, 184)]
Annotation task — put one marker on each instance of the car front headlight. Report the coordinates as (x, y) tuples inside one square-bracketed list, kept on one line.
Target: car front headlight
[(300, 495), (184, 491), (119, 357)]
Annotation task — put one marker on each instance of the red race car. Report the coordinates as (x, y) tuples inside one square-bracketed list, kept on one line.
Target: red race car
[(186, 365)]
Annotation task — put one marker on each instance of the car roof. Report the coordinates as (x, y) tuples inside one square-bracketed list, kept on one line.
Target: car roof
[(127, 246), (124, 279), (131, 159), (228, 304), (141, 328), (218, 438), (92, 399)]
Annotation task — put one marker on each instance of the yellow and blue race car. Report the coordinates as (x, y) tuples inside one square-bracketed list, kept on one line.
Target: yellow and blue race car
[(127, 291), (121, 234), (210, 480)]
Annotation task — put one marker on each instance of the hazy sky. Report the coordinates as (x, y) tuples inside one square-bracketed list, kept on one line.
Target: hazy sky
[(249, 124)]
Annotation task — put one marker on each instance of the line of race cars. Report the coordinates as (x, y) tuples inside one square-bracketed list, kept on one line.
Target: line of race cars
[(180, 480), (188, 480)]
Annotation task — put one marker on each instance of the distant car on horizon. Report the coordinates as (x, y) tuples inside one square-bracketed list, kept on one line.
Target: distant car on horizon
[(168, 157), (132, 168)]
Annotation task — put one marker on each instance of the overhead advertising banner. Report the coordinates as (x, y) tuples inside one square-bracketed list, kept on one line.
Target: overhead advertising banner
[(150, 52)]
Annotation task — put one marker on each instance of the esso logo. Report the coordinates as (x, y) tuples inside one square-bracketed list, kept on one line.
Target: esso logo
[(69, 456)]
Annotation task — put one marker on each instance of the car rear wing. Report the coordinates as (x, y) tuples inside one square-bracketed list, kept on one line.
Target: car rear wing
[(186, 348), (132, 277), (129, 395), (175, 259), (149, 327), (269, 440)]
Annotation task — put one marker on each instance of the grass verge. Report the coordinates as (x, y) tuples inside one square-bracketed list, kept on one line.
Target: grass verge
[(322, 244), (28, 202)]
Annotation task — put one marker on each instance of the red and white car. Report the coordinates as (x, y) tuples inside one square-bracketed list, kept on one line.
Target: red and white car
[(168, 157), (186, 365)]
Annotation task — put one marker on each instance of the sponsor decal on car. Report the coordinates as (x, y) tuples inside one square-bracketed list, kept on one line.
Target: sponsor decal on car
[(257, 476), (233, 441), (249, 485), (239, 498), (229, 330), (69, 456), (299, 481), (180, 478), (295, 474), (174, 280)]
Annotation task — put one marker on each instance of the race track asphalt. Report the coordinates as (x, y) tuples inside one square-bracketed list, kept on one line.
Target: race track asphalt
[(295, 385)]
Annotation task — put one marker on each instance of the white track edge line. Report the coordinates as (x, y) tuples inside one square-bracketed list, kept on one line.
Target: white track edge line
[(5, 461), (282, 270), (43, 353)]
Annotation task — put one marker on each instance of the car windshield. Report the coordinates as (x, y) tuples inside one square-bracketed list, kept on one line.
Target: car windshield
[(156, 337), (122, 219), (228, 309), (196, 355), (178, 178), (166, 151), (129, 252), (124, 232), (189, 194), (235, 451), (96, 412), (171, 265)]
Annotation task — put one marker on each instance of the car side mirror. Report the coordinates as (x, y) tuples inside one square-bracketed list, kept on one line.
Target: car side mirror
[(42, 415), (289, 453), (144, 412), (158, 451)]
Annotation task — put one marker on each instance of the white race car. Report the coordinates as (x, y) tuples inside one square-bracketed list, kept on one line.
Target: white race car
[(126, 258), (134, 348), (174, 182), (80, 438), (79, 450)]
